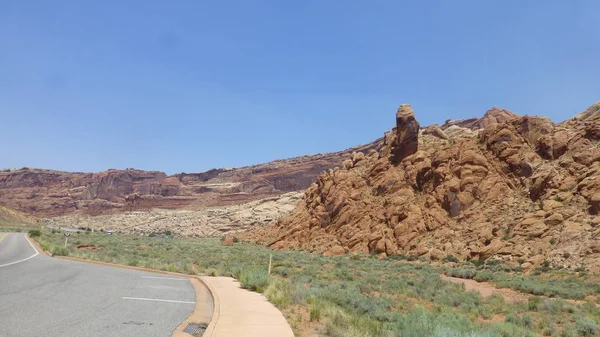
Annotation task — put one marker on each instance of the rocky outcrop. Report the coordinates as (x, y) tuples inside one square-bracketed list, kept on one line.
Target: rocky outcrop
[(503, 187), (491, 117), (210, 221), (407, 133), (592, 112)]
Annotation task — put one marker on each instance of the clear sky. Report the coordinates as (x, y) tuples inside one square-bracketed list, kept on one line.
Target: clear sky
[(192, 85)]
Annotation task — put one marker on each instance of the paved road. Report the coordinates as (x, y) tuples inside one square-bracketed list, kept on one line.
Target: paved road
[(50, 297)]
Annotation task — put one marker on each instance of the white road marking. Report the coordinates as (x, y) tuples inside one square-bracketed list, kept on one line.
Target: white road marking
[(25, 259), (31, 244), (165, 278), (156, 300)]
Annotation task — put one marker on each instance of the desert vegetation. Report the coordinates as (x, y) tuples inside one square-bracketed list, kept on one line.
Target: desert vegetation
[(360, 295)]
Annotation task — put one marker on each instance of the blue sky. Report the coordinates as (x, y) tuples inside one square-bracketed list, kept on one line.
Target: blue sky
[(191, 85)]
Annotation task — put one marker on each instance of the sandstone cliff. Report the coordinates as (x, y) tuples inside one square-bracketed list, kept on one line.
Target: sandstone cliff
[(46, 193), (515, 188)]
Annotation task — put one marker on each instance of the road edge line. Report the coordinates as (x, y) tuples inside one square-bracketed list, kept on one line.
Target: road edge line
[(198, 310), (25, 259), (39, 248)]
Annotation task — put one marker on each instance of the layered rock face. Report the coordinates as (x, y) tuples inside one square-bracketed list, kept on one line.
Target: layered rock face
[(210, 221), (503, 187), (46, 193)]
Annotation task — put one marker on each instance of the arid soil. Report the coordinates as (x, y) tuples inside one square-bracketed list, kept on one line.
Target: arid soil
[(521, 189)]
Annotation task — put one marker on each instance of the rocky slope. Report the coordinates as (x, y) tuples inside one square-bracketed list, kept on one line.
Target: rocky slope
[(211, 221), (10, 217), (517, 188), (47, 193)]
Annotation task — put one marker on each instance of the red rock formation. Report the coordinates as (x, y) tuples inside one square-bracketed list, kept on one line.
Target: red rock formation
[(520, 188), (54, 193), (407, 133)]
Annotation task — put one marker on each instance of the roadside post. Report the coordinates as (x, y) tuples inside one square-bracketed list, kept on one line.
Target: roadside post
[(270, 260), (67, 234)]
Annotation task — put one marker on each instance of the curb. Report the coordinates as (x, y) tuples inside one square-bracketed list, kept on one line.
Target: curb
[(198, 311), (216, 308)]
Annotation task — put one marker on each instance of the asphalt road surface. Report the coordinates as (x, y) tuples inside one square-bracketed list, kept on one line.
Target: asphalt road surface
[(50, 297)]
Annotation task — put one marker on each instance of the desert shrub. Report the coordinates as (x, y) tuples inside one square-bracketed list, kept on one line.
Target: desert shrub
[(420, 322), (315, 313), (450, 258), (512, 330), (483, 276), (60, 251), (168, 233), (35, 233), (496, 302), (527, 321), (533, 302), (254, 278), (486, 311), (279, 292), (566, 255), (513, 318), (586, 326), (569, 330), (477, 263), (461, 273)]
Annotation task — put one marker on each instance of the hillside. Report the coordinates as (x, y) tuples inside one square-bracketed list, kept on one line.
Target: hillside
[(9, 217), (47, 193), (520, 189)]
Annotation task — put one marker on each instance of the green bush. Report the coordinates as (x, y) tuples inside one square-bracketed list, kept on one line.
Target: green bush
[(254, 278), (60, 251), (586, 327), (569, 330), (450, 258), (315, 313), (533, 302), (35, 233), (483, 276), (477, 263), (513, 318), (461, 273), (486, 311)]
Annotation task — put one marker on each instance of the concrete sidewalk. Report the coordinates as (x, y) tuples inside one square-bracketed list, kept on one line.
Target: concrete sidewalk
[(242, 313)]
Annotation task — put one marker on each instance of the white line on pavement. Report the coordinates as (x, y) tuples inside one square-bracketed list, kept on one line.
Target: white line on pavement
[(156, 300), (25, 259), (165, 278), (31, 244)]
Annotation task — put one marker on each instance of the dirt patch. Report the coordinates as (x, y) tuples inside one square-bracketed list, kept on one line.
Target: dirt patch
[(497, 318), (299, 319), (88, 247), (487, 289)]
